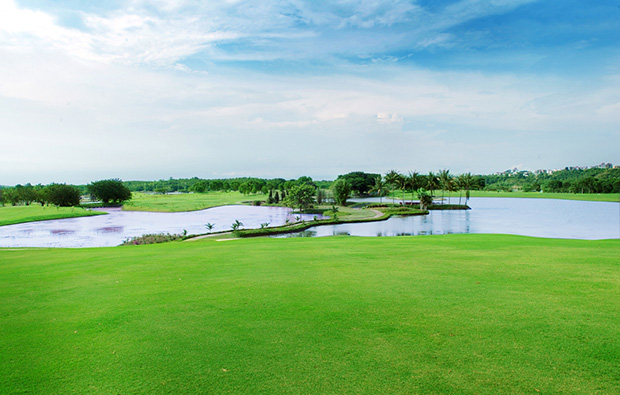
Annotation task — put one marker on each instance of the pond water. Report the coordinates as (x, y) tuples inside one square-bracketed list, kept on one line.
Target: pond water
[(117, 226), (529, 217), (565, 219)]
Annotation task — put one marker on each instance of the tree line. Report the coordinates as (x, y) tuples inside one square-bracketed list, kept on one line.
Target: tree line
[(111, 191), (568, 180)]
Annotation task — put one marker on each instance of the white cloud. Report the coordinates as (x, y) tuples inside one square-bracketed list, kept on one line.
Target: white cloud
[(115, 99)]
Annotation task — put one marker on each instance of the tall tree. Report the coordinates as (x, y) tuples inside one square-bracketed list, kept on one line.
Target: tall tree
[(301, 196), (467, 184), (379, 187), (413, 182), (109, 191), (445, 180), (431, 182), (402, 182), (391, 179), (341, 191), (62, 195)]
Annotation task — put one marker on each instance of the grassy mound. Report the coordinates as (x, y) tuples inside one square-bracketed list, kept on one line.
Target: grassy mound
[(482, 314), (10, 215)]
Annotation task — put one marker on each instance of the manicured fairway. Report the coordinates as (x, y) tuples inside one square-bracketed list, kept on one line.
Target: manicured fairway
[(466, 314), (17, 214), (187, 201)]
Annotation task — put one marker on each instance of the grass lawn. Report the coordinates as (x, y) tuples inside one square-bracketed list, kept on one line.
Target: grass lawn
[(17, 214), (594, 197), (467, 314), (187, 201)]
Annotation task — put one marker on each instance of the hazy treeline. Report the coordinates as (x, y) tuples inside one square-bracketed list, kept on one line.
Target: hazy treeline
[(241, 184), (594, 180)]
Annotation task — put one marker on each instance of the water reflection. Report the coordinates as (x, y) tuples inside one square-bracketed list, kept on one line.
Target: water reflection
[(528, 217), (117, 226)]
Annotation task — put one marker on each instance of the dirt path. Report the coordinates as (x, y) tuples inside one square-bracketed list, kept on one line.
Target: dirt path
[(377, 213)]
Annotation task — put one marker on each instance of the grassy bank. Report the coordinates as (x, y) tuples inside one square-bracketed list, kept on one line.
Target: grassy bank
[(187, 201), (482, 314), (10, 215), (593, 197)]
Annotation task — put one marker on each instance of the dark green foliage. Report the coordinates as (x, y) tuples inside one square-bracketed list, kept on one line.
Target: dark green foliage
[(360, 183), (22, 195), (568, 180), (109, 191), (425, 199), (61, 195), (300, 196), (200, 187), (341, 191)]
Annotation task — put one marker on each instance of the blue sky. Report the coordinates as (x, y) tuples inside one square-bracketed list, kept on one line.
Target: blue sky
[(157, 89)]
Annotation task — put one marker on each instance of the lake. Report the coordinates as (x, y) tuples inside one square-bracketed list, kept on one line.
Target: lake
[(117, 226), (567, 219), (529, 217)]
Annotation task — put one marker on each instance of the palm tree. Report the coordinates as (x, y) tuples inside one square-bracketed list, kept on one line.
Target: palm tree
[(236, 225), (379, 187), (391, 178), (209, 226), (432, 183), (467, 184), (458, 184), (413, 181), (445, 179), (402, 184)]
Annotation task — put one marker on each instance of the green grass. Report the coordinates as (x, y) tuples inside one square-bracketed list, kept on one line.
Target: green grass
[(466, 314), (594, 197), (10, 215), (187, 201)]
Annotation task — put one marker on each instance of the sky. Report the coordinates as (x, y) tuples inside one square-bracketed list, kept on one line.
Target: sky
[(147, 90)]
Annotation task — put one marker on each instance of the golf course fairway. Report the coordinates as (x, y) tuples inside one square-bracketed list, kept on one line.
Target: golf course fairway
[(466, 314)]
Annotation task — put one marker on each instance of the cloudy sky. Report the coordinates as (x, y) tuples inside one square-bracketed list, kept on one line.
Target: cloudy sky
[(283, 88)]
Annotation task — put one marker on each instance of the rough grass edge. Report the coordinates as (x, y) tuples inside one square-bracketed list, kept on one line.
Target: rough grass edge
[(298, 227)]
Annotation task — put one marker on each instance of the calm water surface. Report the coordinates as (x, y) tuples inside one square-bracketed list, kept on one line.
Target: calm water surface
[(114, 228), (529, 217), (565, 219)]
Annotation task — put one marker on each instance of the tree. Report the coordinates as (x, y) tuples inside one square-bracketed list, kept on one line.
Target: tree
[(305, 180), (425, 199), (431, 182), (413, 182), (301, 196), (402, 184), (200, 187), (341, 191), (109, 191), (445, 180), (467, 183), (391, 179), (236, 225), (360, 182), (379, 187), (61, 195)]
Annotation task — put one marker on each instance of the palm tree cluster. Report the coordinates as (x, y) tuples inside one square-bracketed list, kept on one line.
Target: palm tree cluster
[(426, 185)]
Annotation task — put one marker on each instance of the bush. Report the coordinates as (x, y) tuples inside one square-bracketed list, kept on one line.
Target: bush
[(153, 239)]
